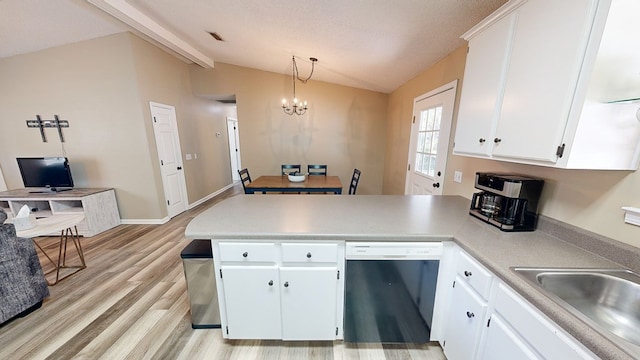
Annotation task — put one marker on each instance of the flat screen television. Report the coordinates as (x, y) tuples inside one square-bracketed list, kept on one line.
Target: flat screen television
[(52, 173)]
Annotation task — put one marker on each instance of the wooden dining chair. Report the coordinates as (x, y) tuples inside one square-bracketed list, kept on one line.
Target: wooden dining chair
[(355, 178), (317, 170), (245, 178), (286, 169)]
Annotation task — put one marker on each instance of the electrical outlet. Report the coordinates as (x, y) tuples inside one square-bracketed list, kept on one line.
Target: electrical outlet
[(457, 176)]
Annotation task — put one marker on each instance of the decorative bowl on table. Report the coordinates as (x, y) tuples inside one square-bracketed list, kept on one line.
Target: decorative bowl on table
[(296, 177)]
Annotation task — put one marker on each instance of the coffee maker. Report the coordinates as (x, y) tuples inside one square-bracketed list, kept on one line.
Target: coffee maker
[(507, 201)]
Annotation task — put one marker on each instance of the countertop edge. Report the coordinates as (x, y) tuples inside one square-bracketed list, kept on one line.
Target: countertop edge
[(490, 247)]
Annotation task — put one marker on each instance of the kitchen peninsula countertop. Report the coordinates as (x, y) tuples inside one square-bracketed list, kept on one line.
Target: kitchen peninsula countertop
[(411, 218)]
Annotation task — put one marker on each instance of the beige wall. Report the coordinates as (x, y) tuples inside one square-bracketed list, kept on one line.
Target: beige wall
[(103, 87), (211, 171), (400, 115), (92, 84), (165, 79), (587, 199), (343, 128)]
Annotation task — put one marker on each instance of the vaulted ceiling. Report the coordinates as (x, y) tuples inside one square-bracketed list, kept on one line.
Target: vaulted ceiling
[(370, 44)]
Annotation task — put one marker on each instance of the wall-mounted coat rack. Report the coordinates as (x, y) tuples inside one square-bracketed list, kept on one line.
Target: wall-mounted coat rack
[(41, 124)]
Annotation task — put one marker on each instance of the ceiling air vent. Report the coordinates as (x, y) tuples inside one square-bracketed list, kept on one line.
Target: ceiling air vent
[(215, 36)]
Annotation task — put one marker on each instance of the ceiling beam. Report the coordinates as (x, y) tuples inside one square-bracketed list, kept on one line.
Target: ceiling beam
[(125, 12)]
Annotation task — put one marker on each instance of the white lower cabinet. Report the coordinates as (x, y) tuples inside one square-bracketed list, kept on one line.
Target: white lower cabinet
[(280, 290), (532, 332), (466, 316), (503, 343), (488, 320), (308, 301), (469, 302), (252, 301)]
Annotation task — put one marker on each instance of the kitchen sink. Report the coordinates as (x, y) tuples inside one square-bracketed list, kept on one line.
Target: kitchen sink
[(606, 299)]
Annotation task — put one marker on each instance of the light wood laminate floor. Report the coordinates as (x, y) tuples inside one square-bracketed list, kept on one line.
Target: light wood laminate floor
[(131, 303)]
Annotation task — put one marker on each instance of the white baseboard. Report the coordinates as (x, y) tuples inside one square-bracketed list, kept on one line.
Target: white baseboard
[(145, 221), (166, 218), (210, 196)]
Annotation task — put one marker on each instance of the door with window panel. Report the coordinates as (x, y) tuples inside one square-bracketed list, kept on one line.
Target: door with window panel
[(429, 143)]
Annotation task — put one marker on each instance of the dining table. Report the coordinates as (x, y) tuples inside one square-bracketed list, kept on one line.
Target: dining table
[(282, 184)]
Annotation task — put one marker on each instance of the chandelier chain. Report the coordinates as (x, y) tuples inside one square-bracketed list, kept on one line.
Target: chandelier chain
[(295, 69), (297, 108)]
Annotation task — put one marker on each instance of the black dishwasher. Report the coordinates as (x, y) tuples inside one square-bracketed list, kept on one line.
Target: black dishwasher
[(390, 291)]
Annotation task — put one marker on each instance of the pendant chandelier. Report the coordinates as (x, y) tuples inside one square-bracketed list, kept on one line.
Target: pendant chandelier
[(297, 107)]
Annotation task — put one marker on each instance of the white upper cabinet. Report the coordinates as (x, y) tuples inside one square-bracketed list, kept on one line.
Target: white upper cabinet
[(534, 90), (484, 77)]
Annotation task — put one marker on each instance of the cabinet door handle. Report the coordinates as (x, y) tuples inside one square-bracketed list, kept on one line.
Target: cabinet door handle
[(467, 273), (481, 140), (436, 185), (245, 254), (470, 314), (286, 284), (497, 140), (270, 282), (308, 255)]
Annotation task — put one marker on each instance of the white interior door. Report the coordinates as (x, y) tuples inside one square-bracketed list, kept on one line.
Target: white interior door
[(429, 144), (234, 147), (165, 128)]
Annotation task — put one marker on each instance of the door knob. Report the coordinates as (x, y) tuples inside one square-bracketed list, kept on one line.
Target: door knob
[(436, 185), (481, 140), (179, 167), (470, 314), (467, 273), (497, 140), (245, 254), (308, 255)]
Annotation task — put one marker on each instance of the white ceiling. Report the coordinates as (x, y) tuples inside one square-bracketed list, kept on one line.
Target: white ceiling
[(370, 44)]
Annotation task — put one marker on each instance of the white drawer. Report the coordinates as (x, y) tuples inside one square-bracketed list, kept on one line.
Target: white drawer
[(248, 252), (544, 335), (474, 274), (309, 253)]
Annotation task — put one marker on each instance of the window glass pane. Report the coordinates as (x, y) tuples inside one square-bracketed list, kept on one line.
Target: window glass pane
[(438, 118), (425, 164), (421, 139), (434, 142), (430, 119), (427, 142), (432, 165), (423, 121), (418, 167)]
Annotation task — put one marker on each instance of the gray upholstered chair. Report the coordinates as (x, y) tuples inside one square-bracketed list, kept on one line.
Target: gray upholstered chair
[(22, 283)]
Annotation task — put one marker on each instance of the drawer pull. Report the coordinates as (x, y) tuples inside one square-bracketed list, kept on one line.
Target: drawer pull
[(470, 314), (286, 284), (245, 254), (308, 255), (467, 273), (270, 282)]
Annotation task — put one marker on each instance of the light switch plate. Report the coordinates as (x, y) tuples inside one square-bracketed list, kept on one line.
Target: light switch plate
[(457, 176), (188, 156)]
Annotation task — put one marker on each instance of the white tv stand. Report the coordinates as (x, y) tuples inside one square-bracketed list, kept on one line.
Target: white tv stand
[(97, 204)]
